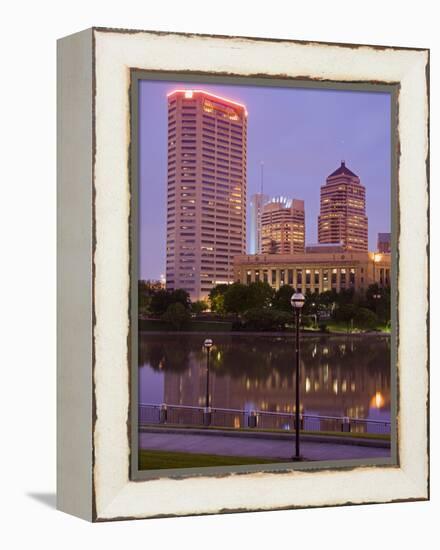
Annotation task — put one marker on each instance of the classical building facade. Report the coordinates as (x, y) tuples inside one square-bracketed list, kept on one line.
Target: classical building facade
[(206, 202), (318, 271), (283, 226), (342, 217)]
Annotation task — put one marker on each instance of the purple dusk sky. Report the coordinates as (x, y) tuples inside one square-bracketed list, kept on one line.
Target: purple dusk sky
[(301, 135)]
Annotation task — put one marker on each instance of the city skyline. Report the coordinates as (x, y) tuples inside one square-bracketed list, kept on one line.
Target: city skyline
[(288, 170)]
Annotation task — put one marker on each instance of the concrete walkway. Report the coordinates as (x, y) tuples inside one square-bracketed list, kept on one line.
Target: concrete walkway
[(257, 446)]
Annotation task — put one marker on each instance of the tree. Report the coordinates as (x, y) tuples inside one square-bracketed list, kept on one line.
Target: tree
[(199, 306), (345, 313), (311, 303), (144, 297), (346, 296), (260, 295), (163, 298), (146, 290), (266, 319), (378, 299), (236, 298), (217, 298), (281, 300), (177, 315), (365, 318)]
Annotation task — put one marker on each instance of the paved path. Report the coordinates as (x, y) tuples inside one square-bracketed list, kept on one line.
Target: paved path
[(255, 446)]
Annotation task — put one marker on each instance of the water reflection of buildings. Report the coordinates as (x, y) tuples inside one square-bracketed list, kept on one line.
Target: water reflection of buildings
[(327, 389)]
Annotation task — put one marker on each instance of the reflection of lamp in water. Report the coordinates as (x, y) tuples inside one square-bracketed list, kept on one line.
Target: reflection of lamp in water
[(207, 412), (308, 384), (297, 302), (377, 401)]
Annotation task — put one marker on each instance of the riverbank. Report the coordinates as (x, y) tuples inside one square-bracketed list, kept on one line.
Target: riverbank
[(202, 326)]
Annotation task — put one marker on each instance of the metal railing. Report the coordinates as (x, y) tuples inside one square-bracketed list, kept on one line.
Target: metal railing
[(150, 414)]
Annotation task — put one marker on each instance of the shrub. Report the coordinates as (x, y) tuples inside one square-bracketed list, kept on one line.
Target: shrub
[(177, 315), (261, 319), (199, 306), (365, 318)]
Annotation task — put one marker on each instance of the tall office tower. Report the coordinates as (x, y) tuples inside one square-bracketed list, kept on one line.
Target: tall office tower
[(283, 226), (384, 243), (342, 218), (206, 205), (257, 202)]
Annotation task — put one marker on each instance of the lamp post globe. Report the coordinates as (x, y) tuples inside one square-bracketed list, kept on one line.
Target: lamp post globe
[(208, 343), (297, 302)]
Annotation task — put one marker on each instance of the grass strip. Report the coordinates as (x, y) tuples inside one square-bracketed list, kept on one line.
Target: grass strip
[(160, 460)]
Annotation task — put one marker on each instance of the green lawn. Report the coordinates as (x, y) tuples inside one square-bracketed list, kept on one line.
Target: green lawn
[(159, 460), (338, 326)]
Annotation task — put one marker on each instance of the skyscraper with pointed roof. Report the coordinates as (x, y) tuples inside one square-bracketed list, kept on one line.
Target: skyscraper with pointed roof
[(342, 218)]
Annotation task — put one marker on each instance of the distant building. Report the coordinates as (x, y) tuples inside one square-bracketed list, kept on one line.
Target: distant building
[(314, 271), (384, 243), (257, 202), (318, 248), (342, 217), (283, 226), (206, 204)]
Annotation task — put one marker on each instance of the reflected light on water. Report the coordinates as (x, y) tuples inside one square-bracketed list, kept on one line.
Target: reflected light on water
[(173, 370), (377, 401)]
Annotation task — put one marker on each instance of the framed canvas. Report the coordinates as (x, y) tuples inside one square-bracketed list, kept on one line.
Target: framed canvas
[(242, 274)]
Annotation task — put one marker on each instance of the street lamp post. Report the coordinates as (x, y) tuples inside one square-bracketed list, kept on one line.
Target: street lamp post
[(207, 412), (297, 302)]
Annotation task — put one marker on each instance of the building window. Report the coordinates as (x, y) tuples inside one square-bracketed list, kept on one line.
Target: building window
[(352, 276), (343, 277), (281, 276), (273, 276), (308, 276), (248, 277), (299, 277), (257, 276), (290, 276), (316, 276), (334, 277), (265, 276)]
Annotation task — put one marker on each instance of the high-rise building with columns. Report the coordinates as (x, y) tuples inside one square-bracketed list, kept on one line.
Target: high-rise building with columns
[(283, 226), (206, 203), (342, 217)]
